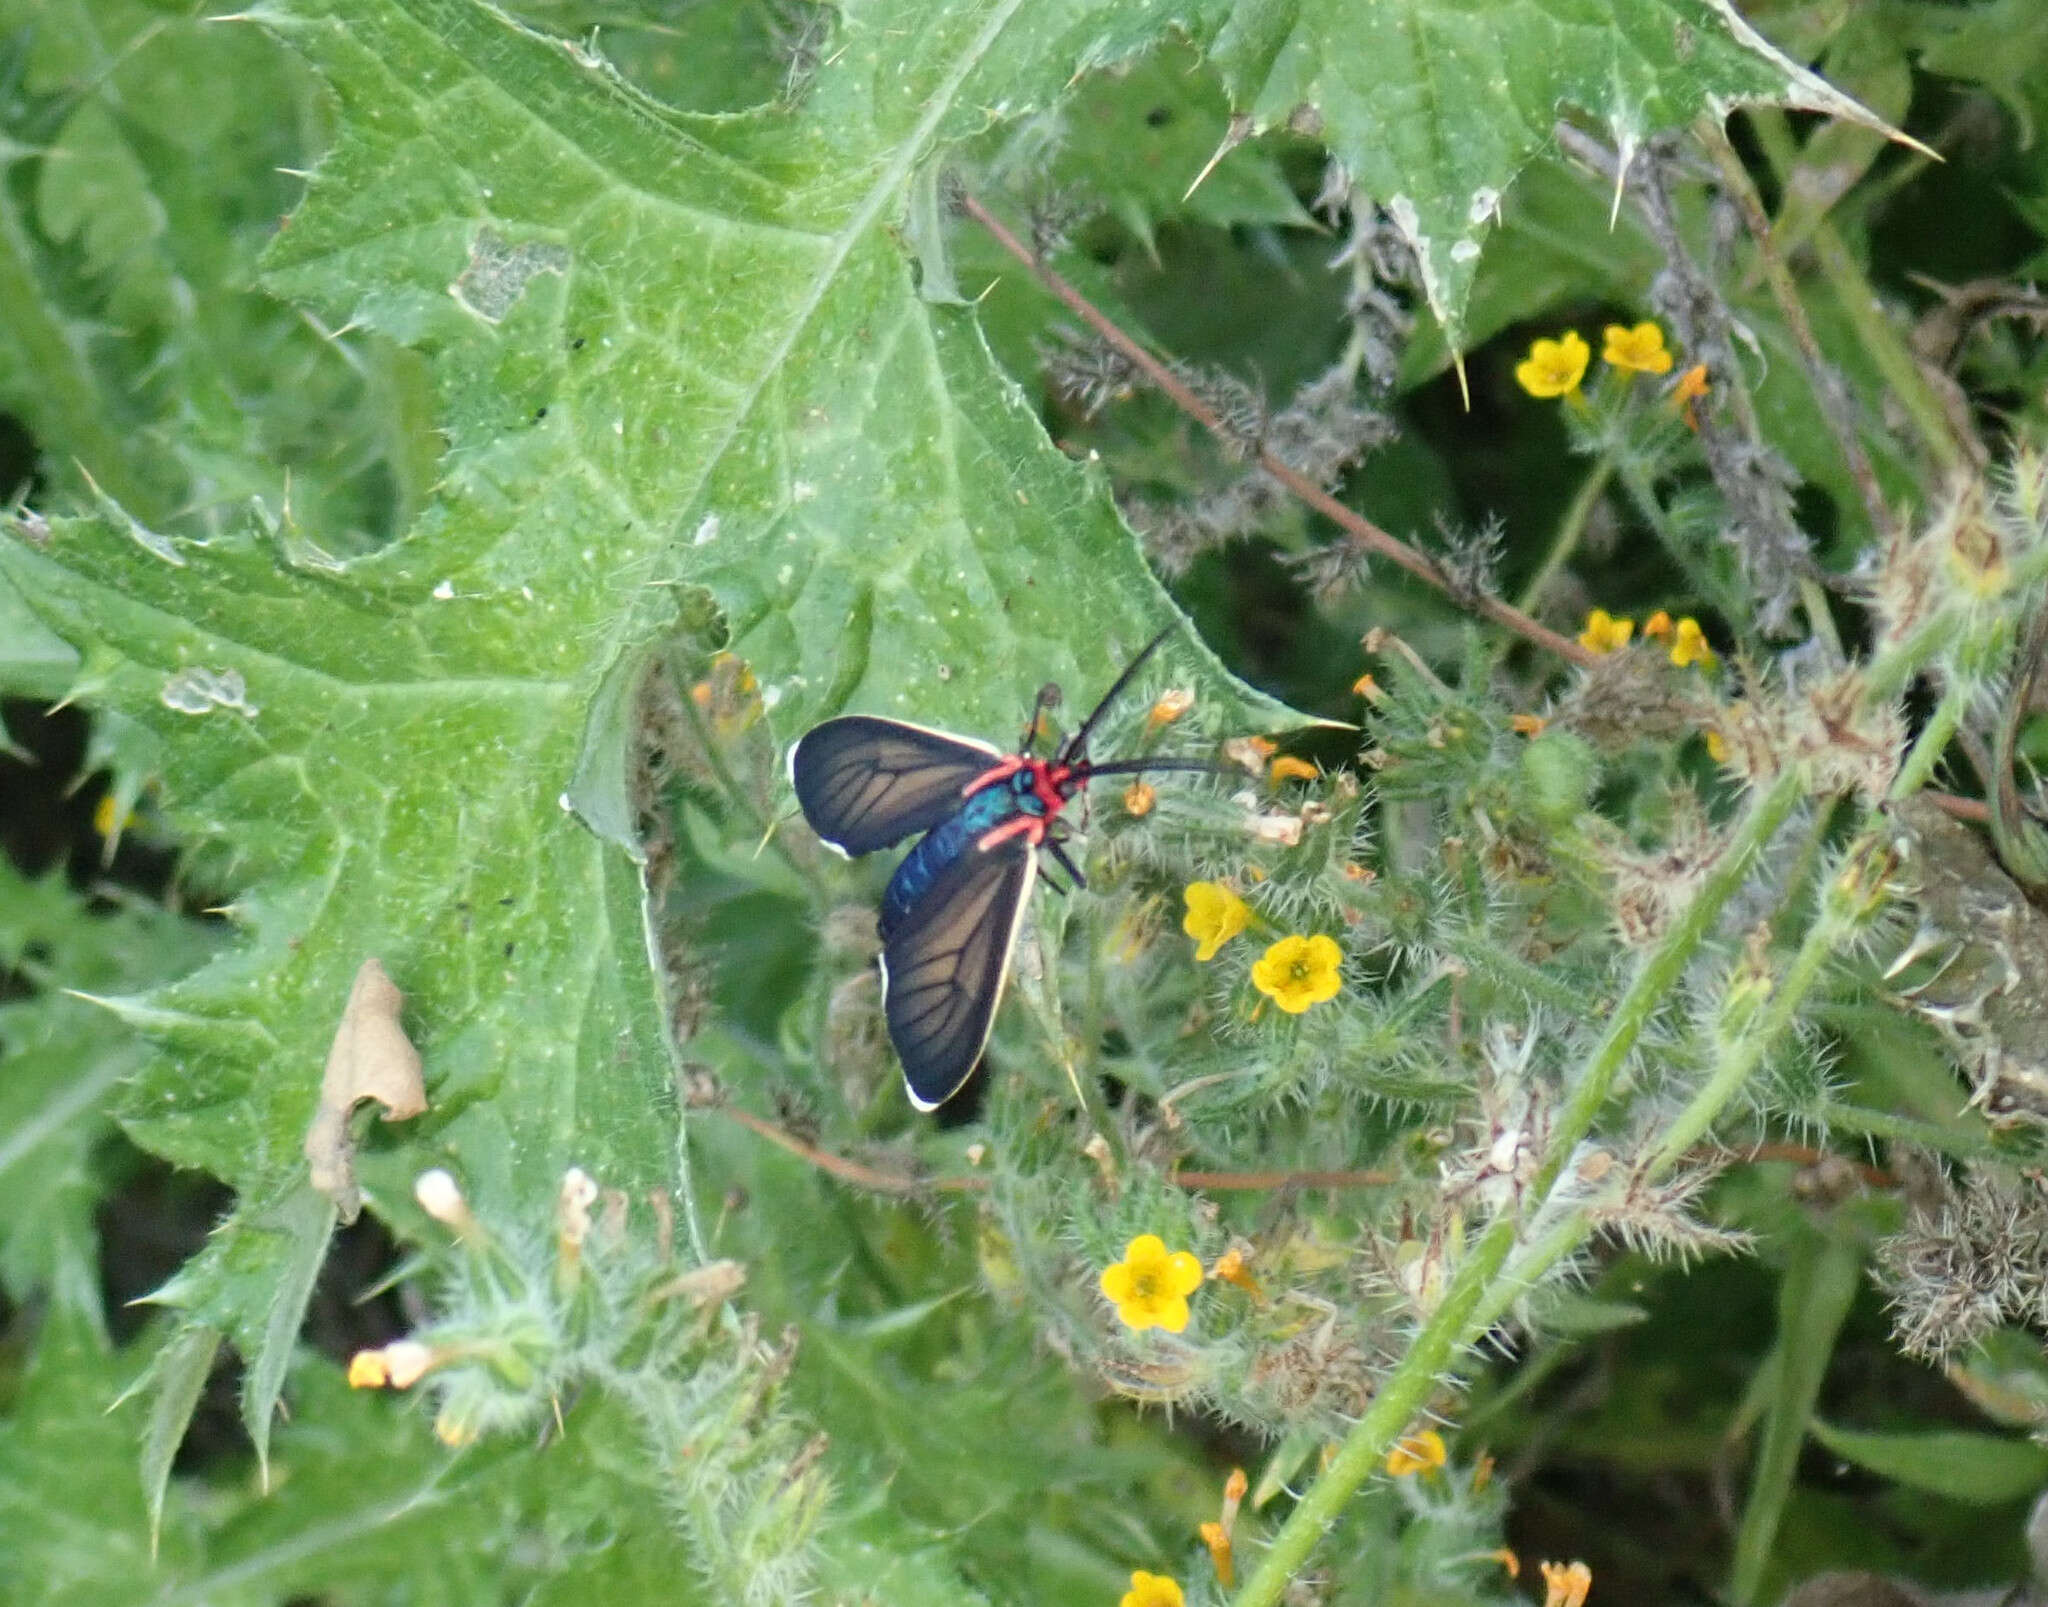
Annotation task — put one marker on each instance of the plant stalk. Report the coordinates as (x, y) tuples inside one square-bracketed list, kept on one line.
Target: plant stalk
[(1569, 531)]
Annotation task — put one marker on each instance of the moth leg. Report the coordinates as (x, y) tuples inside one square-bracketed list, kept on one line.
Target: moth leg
[(1066, 864), (1048, 698)]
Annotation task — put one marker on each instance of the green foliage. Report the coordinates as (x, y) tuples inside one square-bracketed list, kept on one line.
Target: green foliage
[(468, 454)]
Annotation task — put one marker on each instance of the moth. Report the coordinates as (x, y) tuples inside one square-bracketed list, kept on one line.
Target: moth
[(954, 906)]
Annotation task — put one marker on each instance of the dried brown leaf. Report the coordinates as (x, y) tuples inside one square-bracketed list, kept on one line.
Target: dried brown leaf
[(371, 1059)]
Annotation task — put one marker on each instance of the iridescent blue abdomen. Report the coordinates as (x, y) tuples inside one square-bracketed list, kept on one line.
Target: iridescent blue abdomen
[(948, 840)]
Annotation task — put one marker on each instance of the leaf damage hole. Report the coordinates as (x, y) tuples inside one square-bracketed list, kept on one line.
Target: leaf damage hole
[(499, 271)]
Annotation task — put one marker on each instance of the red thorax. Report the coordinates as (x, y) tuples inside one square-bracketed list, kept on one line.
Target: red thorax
[(1053, 785)]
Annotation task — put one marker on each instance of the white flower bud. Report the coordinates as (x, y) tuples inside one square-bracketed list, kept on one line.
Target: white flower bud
[(406, 1361), (440, 1196)]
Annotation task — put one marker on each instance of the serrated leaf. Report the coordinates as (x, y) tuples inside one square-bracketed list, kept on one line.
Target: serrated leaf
[(366, 1506), (2000, 44), (133, 348), (34, 660), (252, 1282), (1433, 106), (92, 192), (65, 1061), (71, 1525), (1152, 142), (1984, 1469), (673, 352), (172, 1384)]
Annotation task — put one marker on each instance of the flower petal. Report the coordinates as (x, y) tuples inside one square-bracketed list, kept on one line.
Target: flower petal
[(1183, 1273)]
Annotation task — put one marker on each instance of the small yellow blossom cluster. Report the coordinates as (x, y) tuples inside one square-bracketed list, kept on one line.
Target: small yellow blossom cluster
[(1417, 1453), (1162, 1590), (1294, 973), (1605, 633), (1297, 972), (1150, 1286), (1152, 1590), (1556, 368), (1215, 916)]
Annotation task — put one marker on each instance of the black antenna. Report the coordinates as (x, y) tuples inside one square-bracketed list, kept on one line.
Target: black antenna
[(1076, 746), (1133, 767)]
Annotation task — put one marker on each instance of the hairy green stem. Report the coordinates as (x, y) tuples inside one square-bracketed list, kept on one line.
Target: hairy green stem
[(1813, 598), (1740, 1056), (1875, 331), (1644, 495), (1392, 1410), (1738, 1061), (1477, 1292), (1958, 1141), (1569, 530), (1933, 740), (1766, 813)]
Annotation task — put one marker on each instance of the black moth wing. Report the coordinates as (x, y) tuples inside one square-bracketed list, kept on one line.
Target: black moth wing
[(865, 782), (944, 967)]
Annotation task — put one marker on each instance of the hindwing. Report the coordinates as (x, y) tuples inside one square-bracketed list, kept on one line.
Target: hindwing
[(865, 782), (945, 963)]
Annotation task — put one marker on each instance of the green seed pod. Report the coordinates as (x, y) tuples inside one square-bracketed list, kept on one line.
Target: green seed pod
[(1559, 769)]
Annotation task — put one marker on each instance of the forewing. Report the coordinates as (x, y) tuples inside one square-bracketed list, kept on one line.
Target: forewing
[(943, 968), (865, 783)]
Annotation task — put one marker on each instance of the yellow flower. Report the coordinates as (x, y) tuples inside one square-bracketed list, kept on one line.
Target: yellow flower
[(1215, 916), (366, 1370), (1528, 725), (1151, 1287), (1554, 367), (1565, 1586), (1691, 647), (1639, 350), (1657, 627), (1139, 798), (1418, 1453), (1299, 971), (1604, 633), (1289, 768), (1717, 747), (1152, 1590)]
